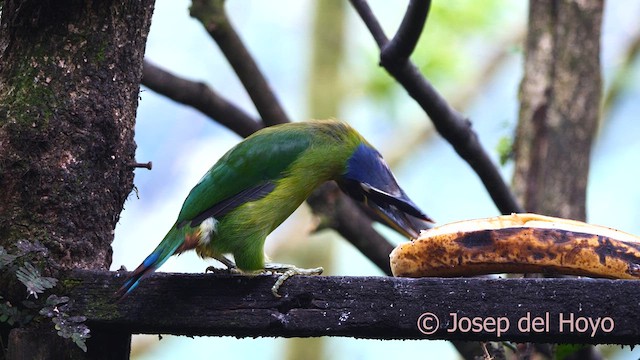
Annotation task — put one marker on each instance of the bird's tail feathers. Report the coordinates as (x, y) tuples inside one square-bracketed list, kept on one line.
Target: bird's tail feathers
[(167, 247)]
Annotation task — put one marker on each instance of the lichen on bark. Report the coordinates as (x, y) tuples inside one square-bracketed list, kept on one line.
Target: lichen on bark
[(68, 95)]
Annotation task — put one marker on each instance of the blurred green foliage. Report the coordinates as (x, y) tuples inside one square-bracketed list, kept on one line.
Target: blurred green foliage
[(504, 148), (458, 34)]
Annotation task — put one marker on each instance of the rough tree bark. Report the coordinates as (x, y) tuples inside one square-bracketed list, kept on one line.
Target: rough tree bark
[(69, 81), (560, 105)]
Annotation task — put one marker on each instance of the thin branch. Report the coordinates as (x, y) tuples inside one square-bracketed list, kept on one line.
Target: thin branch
[(406, 38), (213, 17), (408, 140), (450, 124), (201, 97), (370, 21)]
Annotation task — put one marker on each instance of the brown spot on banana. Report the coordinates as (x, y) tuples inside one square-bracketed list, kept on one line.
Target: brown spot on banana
[(519, 243)]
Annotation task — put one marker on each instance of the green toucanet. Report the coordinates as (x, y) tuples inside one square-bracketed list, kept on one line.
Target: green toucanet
[(257, 184)]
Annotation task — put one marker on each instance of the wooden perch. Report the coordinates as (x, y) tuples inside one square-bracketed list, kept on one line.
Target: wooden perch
[(532, 310)]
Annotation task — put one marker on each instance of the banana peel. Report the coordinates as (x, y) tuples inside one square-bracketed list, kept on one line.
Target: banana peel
[(519, 243)]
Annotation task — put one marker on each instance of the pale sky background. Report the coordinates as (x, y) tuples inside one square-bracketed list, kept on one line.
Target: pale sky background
[(183, 144)]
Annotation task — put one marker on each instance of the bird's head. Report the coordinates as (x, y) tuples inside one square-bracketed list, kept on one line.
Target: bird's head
[(369, 180)]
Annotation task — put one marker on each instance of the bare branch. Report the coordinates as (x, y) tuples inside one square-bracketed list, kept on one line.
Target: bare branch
[(450, 124), (213, 17), (201, 97), (363, 307), (406, 38), (363, 9)]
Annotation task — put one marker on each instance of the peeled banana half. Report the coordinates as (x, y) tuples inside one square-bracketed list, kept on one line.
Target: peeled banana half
[(519, 243)]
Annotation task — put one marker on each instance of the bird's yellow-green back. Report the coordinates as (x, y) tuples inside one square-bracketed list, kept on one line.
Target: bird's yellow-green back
[(285, 164), (313, 150)]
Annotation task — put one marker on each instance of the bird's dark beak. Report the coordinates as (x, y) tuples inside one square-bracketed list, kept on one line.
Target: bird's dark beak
[(392, 208), (369, 180), (396, 211)]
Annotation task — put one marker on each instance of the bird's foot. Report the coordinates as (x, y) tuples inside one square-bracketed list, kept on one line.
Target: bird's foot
[(215, 270), (286, 271), (226, 262), (231, 267)]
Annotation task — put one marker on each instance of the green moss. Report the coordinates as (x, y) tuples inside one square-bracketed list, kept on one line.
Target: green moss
[(69, 284), (101, 51), (103, 308), (30, 99)]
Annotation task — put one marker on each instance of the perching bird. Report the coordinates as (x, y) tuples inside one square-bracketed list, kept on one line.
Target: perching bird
[(257, 184)]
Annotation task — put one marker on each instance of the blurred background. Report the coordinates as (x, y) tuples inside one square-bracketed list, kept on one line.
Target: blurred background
[(322, 62)]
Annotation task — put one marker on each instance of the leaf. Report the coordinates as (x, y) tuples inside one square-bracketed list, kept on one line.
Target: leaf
[(55, 300), (78, 319), (34, 282), (79, 340), (47, 311), (80, 333), (505, 149), (26, 247), (5, 258), (31, 305), (11, 315)]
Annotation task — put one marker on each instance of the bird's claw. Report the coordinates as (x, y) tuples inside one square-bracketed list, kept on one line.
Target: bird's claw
[(215, 270), (286, 271), (231, 267), (226, 262)]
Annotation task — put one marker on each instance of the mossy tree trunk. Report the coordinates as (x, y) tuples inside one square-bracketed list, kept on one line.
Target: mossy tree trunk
[(69, 82)]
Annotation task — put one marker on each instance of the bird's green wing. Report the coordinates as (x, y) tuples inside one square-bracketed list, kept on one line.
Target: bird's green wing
[(246, 172)]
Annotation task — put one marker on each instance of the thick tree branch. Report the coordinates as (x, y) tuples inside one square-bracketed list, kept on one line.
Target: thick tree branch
[(449, 123), (362, 307), (214, 18), (199, 96), (406, 38)]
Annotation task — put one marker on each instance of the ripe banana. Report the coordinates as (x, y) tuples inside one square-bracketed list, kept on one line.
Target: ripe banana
[(519, 243)]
